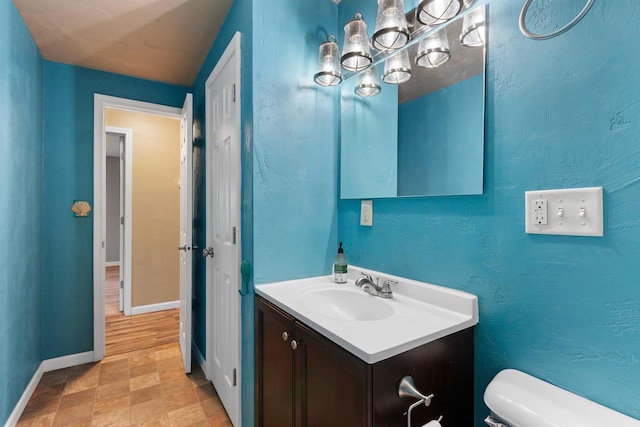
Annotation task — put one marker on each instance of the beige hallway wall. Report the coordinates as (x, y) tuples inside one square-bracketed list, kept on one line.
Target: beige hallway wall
[(155, 271)]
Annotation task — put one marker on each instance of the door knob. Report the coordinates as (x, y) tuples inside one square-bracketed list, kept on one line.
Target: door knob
[(285, 336), (294, 344), (207, 252)]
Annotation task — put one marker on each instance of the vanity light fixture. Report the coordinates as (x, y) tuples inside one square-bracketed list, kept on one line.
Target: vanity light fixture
[(436, 12), (434, 51), (367, 83), (392, 30), (328, 63), (397, 69), (356, 53), (473, 29)]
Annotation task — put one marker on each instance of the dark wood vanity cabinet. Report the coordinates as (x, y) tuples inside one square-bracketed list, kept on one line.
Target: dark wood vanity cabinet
[(305, 380)]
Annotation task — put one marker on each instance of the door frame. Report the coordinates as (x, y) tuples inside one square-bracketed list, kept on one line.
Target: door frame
[(100, 103), (126, 187), (233, 48)]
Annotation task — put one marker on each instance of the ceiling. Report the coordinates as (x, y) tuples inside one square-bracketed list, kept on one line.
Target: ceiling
[(162, 40)]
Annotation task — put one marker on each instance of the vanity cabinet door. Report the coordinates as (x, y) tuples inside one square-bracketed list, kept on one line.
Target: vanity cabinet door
[(333, 387), (274, 366)]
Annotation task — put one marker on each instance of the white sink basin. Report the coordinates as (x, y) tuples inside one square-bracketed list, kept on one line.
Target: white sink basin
[(346, 304), (368, 326)]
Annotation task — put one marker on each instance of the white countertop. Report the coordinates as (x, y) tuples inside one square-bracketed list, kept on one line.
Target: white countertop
[(417, 314)]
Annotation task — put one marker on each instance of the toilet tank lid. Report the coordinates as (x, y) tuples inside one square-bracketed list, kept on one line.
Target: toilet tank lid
[(521, 400)]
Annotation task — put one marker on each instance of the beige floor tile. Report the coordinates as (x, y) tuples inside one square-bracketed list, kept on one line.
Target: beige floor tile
[(42, 421), (213, 408), (40, 408), (111, 390), (80, 398), (110, 404), (220, 421), (176, 385), (145, 394), (81, 383), (172, 374), (114, 366), (161, 421), (146, 411), (170, 364), (115, 357), (147, 368), (115, 418), (79, 414), (180, 399), (197, 376), (167, 353), (58, 376), (113, 377), (47, 392), (143, 381), (206, 391), (187, 415)]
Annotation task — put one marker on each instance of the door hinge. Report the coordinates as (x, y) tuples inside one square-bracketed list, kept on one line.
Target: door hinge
[(122, 156), (121, 220), (234, 236), (234, 93), (235, 377), (122, 284), (103, 244)]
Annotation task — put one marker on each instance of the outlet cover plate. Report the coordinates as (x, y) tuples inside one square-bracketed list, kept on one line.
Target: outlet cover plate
[(366, 213), (570, 212)]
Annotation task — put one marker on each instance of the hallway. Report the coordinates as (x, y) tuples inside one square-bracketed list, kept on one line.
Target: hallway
[(130, 333)]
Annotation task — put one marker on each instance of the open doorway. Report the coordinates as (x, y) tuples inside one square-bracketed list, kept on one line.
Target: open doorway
[(137, 288)]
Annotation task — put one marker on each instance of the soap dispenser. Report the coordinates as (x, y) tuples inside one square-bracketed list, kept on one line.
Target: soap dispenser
[(340, 267)]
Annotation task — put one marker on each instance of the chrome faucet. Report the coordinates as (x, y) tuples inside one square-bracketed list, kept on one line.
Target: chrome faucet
[(368, 285)]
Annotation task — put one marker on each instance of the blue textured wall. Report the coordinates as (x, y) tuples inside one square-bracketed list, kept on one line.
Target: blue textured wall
[(238, 19), (295, 149), (20, 207), (67, 322), (561, 113), (437, 156)]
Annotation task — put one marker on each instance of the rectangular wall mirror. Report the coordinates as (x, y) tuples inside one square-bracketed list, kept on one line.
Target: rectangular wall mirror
[(424, 137)]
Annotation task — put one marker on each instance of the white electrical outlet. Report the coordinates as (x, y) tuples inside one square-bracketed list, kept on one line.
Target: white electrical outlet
[(572, 212), (366, 213), (540, 211)]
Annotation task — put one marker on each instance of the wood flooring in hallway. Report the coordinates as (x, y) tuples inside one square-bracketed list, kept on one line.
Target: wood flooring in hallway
[(130, 333)]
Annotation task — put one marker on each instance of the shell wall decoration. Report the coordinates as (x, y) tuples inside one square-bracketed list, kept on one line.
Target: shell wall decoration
[(81, 208)]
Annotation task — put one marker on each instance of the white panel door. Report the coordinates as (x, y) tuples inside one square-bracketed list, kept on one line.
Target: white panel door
[(186, 219), (223, 228), (121, 241)]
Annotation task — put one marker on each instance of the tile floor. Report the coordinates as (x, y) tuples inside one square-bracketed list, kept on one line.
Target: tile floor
[(141, 388)]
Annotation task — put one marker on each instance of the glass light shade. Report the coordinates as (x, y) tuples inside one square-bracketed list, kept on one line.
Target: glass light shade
[(367, 83), (434, 51), (391, 26), (356, 51), (473, 29), (436, 12), (466, 4), (397, 69), (328, 63)]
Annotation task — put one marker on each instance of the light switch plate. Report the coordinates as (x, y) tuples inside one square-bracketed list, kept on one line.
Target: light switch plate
[(366, 213), (571, 212)]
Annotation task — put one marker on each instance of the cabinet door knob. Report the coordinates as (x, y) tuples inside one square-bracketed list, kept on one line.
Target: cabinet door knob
[(294, 344), (285, 336)]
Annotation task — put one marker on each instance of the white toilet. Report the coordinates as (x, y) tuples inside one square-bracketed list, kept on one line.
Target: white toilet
[(520, 400)]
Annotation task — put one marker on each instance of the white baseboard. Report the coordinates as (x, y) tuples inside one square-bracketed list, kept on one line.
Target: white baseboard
[(24, 399), (141, 309), (67, 361), (45, 366), (112, 264), (199, 357)]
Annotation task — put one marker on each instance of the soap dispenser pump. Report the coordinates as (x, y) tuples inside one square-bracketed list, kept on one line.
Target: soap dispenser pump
[(340, 267)]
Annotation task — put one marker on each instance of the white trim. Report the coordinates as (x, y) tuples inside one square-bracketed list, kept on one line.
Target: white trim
[(100, 102), (24, 399), (141, 309), (128, 211), (233, 48), (67, 361), (200, 359), (112, 264), (45, 366)]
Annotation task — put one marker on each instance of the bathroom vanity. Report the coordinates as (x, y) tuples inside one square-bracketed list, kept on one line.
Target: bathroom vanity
[(324, 358)]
